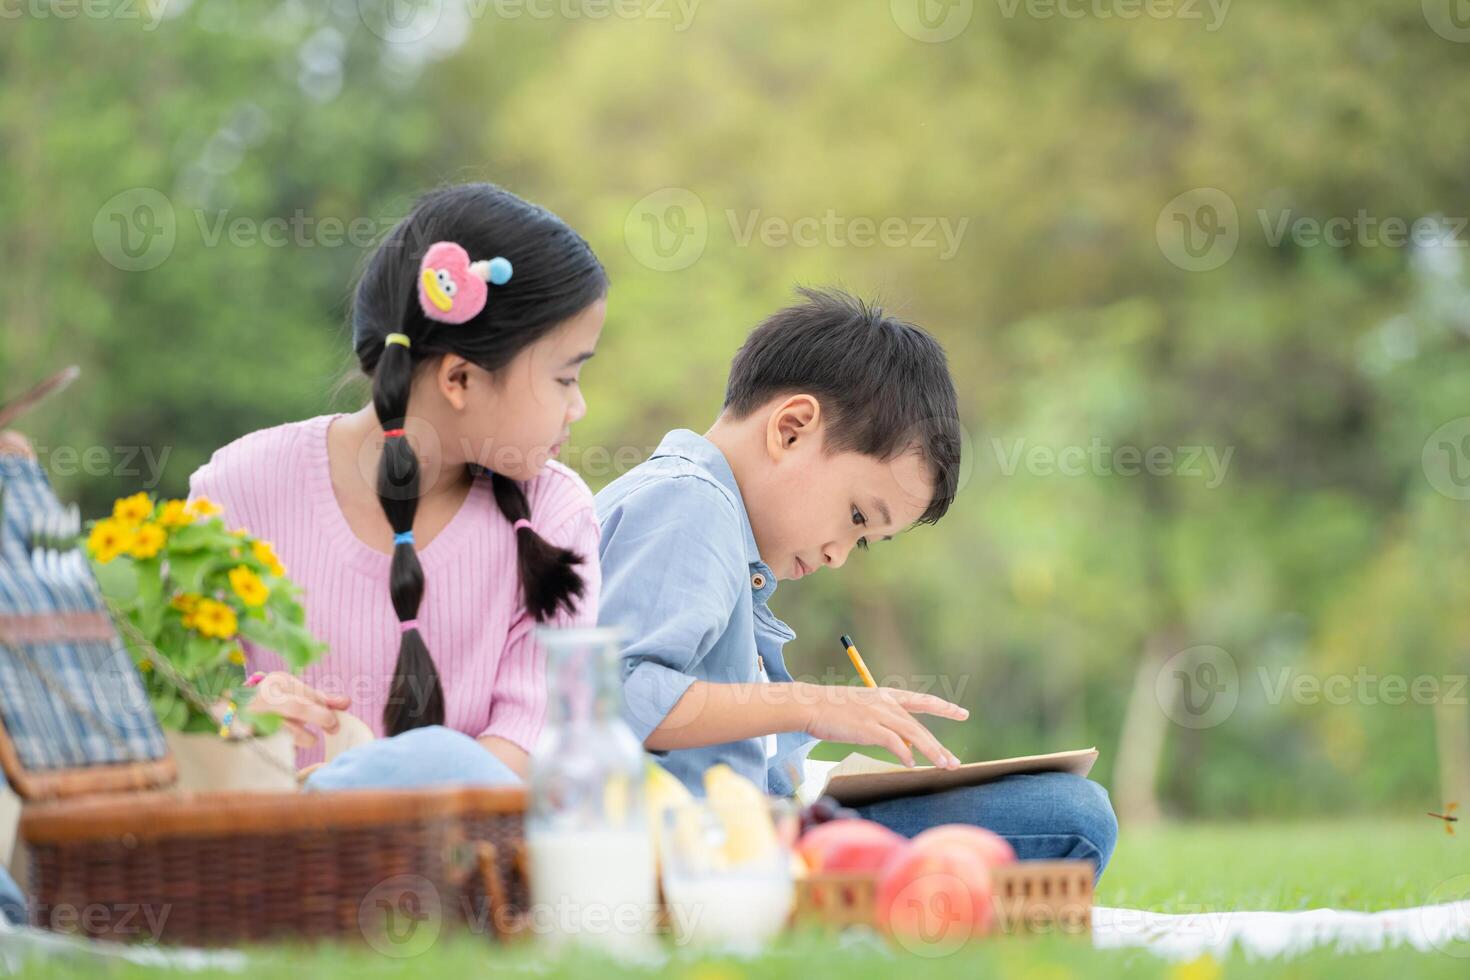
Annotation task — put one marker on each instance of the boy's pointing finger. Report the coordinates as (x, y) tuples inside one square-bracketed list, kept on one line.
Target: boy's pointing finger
[(930, 705)]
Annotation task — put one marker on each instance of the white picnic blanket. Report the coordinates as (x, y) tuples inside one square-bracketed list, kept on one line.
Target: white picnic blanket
[(23, 944), (1260, 935), (1265, 935)]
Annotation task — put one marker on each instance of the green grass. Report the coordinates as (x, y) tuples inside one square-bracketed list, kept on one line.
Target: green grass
[(1366, 865), (1362, 864)]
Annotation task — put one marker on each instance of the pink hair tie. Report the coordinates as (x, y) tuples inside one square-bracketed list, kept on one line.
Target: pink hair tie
[(255, 678), (522, 523), (404, 625)]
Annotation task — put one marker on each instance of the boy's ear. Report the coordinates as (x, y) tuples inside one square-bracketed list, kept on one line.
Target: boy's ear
[(793, 421)]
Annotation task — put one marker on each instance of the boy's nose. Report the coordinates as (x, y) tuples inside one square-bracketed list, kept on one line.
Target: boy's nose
[(836, 554)]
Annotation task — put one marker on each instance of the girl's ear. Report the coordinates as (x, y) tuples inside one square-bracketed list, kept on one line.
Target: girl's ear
[(453, 379), (793, 422)]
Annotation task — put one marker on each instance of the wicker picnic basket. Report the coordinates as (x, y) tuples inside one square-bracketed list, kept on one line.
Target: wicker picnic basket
[(217, 868), (113, 851), (1030, 898)]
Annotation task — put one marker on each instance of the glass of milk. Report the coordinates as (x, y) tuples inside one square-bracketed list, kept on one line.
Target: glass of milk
[(592, 872), (724, 885)]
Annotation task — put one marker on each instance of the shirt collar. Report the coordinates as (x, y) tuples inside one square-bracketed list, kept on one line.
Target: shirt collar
[(698, 450)]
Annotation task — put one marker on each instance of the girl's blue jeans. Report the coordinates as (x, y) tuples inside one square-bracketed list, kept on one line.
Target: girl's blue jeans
[(423, 757)]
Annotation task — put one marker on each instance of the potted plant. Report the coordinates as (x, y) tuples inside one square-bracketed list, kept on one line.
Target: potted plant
[(185, 591)]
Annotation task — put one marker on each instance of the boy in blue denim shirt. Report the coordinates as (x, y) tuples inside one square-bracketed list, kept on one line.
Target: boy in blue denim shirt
[(840, 423)]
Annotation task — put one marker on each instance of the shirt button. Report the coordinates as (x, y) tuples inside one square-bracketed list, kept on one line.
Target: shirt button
[(758, 581)]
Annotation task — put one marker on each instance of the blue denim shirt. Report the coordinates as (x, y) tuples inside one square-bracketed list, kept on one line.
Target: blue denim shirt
[(682, 574)]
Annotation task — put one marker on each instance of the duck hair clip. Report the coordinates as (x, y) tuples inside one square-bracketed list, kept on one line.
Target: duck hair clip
[(452, 289)]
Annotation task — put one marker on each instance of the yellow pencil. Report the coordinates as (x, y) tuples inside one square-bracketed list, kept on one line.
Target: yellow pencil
[(857, 660), (862, 668)]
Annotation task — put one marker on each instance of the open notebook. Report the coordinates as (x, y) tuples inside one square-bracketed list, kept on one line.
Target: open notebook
[(860, 779)]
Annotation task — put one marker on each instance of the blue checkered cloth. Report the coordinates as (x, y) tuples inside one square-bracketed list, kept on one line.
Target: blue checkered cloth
[(104, 716)]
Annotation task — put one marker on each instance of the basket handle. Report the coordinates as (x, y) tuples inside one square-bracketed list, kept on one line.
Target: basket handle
[(486, 860)]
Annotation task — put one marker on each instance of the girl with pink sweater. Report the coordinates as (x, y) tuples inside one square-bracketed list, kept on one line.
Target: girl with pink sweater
[(432, 530)]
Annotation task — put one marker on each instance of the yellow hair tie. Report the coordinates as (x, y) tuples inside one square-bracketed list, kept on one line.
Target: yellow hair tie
[(396, 338)]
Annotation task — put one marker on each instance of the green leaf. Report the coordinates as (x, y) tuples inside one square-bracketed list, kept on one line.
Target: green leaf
[(199, 650), (118, 579), (263, 632), (149, 620), (198, 721), (263, 723), (187, 570)]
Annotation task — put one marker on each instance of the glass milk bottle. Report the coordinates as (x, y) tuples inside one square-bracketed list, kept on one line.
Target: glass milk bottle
[(593, 876)]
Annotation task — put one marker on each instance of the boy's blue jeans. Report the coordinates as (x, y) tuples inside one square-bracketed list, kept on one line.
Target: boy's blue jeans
[(1045, 816)]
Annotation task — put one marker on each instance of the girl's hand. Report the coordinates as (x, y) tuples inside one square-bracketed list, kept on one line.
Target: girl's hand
[(878, 716), (15, 444), (280, 693)]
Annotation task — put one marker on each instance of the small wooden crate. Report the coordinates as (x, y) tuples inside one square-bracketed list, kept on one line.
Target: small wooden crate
[(1030, 898)]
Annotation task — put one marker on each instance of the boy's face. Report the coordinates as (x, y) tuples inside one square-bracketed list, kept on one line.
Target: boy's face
[(810, 508)]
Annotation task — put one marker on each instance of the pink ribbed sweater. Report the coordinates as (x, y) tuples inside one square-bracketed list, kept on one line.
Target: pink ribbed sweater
[(276, 483)]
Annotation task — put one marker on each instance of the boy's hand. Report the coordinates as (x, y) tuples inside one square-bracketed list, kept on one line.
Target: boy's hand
[(878, 716)]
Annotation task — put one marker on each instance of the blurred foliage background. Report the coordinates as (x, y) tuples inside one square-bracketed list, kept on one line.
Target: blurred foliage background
[(1104, 209)]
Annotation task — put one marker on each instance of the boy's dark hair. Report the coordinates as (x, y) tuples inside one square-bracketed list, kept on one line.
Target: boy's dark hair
[(883, 382), (556, 276)]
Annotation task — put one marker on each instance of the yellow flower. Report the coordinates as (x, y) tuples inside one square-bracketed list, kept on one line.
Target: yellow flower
[(203, 507), (237, 656), (215, 619), (185, 601), (132, 510), (175, 513), (239, 532), (147, 541), (108, 539), (248, 586), (145, 665), (1202, 968), (266, 555)]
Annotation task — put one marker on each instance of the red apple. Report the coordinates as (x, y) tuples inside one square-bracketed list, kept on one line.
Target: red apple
[(993, 849), (934, 899), (848, 846)]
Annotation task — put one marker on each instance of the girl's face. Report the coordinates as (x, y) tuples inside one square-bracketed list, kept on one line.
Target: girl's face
[(515, 420)]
